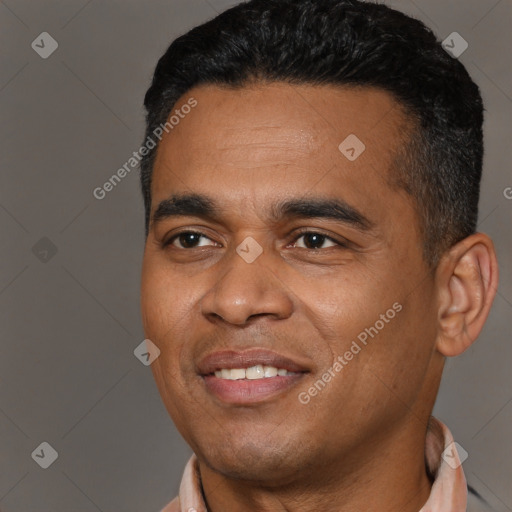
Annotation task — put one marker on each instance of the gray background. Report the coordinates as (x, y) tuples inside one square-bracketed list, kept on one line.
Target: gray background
[(70, 320)]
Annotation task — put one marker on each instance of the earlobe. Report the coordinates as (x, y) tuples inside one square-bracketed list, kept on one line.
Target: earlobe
[(466, 282)]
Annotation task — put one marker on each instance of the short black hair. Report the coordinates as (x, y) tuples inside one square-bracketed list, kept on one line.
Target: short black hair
[(346, 43)]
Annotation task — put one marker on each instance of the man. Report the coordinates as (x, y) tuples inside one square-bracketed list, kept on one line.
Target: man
[(311, 186)]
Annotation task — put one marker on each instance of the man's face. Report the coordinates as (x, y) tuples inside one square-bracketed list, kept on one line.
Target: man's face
[(267, 159)]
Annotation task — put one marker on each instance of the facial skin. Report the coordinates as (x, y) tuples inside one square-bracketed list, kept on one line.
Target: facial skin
[(361, 439)]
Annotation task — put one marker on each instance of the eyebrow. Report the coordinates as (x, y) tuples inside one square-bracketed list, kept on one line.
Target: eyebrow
[(189, 205), (197, 205), (333, 209)]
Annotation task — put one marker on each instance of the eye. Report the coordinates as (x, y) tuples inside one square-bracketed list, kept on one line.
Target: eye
[(314, 240), (188, 240)]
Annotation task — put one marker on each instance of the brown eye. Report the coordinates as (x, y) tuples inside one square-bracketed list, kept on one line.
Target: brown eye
[(188, 240), (314, 240)]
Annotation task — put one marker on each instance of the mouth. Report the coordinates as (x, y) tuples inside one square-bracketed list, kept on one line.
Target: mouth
[(250, 376), (252, 373)]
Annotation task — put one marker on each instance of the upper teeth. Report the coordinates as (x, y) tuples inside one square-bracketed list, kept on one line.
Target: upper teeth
[(254, 372)]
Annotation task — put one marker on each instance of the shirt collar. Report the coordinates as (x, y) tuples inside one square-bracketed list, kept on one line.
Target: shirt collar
[(449, 489)]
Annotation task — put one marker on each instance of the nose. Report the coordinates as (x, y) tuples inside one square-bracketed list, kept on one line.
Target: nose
[(245, 291)]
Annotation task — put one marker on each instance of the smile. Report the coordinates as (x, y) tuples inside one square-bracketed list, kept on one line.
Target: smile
[(253, 373), (250, 376)]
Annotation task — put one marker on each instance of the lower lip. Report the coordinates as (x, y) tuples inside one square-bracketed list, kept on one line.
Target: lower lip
[(247, 391)]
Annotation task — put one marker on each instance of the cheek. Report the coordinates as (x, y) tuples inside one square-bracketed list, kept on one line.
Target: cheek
[(342, 307), (166, 305), (164, 300), (166, 308), (393, 330), (398, 360)]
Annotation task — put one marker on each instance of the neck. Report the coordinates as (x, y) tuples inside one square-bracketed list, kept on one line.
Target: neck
[(385, 474)]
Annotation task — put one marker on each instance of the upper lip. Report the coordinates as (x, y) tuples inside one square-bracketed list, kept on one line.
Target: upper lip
[(245, 359)]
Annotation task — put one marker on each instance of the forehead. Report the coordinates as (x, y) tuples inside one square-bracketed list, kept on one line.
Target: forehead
[(281, 137)]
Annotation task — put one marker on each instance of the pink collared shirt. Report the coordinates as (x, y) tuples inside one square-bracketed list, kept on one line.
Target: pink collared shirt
[(449, 490)]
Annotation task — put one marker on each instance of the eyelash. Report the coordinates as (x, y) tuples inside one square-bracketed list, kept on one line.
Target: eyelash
[(177, 235), (306, 231), (297, 237)]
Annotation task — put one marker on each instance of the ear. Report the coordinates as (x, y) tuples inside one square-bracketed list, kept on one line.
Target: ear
[(466, 283)]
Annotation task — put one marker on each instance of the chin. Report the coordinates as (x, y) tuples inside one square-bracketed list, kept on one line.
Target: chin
[(267, 460)]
